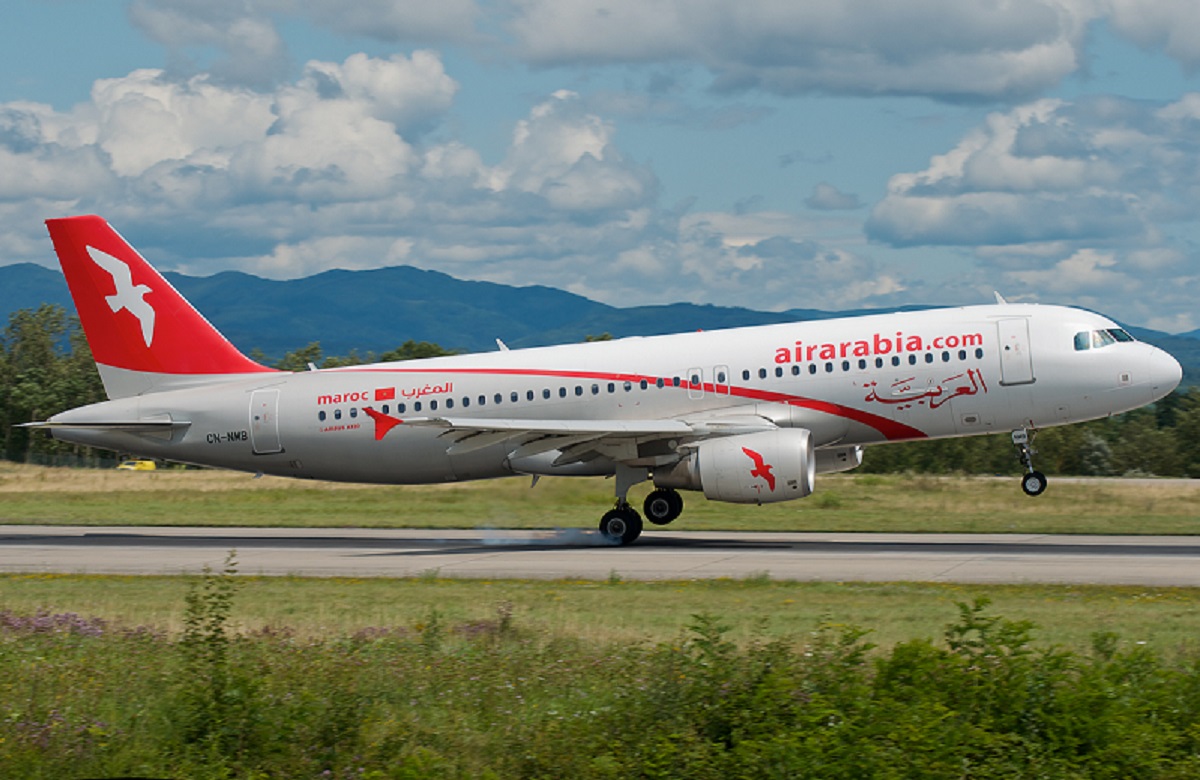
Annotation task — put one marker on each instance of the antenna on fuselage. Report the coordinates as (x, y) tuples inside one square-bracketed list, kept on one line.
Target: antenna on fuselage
[(502, 345), (999, 298)]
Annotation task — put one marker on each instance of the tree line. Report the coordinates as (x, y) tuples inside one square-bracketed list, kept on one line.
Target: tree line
[(46, 367)]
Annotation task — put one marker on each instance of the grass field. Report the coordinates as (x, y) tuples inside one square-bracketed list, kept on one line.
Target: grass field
[(847, 502), (620, 611)]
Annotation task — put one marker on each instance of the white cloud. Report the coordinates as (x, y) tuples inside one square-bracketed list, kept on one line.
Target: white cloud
[(1099, 169), (956, 50), (143, 119), (394, 20), (826, 197), (242, 36), (251, 50), (1173, 25), (566, 155), (943, 48), (1091, 201), (404, 91)]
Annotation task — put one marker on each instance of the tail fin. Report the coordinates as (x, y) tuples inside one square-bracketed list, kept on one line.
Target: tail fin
[(144, 335)]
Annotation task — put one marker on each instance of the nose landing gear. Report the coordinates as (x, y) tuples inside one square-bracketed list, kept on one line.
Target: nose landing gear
[(1034, 481)]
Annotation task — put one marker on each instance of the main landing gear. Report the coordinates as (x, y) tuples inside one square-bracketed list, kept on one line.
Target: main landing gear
[(662, 506), (622, 524), (1034, 481)]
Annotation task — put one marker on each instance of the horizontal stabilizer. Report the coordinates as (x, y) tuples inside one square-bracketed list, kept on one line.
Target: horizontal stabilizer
[(132, 426)]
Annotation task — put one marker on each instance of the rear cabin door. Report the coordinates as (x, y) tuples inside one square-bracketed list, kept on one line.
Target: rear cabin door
[(1016, 360), (264, 422)]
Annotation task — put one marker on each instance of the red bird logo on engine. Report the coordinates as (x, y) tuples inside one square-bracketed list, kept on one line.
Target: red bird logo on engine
[(761, 468)]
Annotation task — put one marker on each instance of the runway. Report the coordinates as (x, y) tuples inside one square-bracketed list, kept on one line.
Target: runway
[(579, 554)]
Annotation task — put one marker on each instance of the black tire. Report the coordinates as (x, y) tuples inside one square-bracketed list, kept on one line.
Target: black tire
[(621, 526), (663, 506), (1034, 483)]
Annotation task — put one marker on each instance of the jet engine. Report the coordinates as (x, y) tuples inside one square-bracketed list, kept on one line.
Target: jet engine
[(752, 468)]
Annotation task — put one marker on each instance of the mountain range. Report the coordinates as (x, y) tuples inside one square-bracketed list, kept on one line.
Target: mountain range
[(377, 310)]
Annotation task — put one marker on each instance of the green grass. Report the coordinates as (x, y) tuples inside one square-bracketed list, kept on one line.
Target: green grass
[(623, 611), (475, 681), (841, 503)]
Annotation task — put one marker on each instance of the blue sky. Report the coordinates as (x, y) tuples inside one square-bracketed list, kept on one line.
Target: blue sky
[(771, 154)]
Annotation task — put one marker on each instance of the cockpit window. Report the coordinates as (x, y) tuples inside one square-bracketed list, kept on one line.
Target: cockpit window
[(1096, 339)]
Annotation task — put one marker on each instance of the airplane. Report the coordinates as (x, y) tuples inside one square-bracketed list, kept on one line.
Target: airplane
[(745, 415)]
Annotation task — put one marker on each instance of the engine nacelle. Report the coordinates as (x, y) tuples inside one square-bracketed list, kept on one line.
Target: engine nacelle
[(753, 468)]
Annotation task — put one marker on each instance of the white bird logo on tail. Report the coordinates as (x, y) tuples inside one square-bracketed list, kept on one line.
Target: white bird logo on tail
[(128, 296)]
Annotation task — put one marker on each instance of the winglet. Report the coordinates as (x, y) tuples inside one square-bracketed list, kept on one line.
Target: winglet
[(144, 335)]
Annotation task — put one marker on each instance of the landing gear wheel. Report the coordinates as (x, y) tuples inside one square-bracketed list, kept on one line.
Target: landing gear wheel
[(621, 525), (1033, 483), (663, 506)]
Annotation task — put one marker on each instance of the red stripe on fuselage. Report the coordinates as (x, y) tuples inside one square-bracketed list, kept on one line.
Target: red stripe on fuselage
[(889, 428)]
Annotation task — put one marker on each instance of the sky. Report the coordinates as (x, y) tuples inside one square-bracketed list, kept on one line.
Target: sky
[(773, 154)]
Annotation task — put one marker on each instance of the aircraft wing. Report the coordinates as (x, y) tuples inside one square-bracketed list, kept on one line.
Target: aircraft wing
[(580, 440)]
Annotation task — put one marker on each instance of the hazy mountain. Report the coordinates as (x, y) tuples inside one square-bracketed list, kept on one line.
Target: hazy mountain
[(377, 310)]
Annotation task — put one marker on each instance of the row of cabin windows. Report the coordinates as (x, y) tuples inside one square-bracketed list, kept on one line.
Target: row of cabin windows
[(862, 363), (515, 397), (644, 384)]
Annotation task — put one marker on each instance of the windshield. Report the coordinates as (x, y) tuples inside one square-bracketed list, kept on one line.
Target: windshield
[(1095, 339)]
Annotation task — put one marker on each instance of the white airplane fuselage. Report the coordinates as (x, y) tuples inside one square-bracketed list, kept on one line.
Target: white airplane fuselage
[(851, 382)]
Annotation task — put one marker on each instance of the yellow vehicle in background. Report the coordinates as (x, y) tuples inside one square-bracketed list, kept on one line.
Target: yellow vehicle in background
[(137, 465)]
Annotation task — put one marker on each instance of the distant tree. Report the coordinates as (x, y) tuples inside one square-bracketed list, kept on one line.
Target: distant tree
[(413, 350), (299, 360), (1187, 433), (602, 337), (350, 359), (1142, 448), (45, 368), (1095, 456)]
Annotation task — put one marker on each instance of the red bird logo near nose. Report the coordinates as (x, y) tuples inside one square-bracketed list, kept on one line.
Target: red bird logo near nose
[(761, 468)]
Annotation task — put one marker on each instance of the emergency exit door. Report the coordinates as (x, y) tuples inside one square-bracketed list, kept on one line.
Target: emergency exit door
[(264, 422)]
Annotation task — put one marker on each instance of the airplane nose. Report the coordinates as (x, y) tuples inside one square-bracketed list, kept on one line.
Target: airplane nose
[(1164, 373)]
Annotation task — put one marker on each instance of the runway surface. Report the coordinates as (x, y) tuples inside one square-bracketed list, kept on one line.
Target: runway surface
[(579, 554)]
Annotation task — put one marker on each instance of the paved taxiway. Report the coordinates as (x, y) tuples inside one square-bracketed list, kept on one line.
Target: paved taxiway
[(579, 554)]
